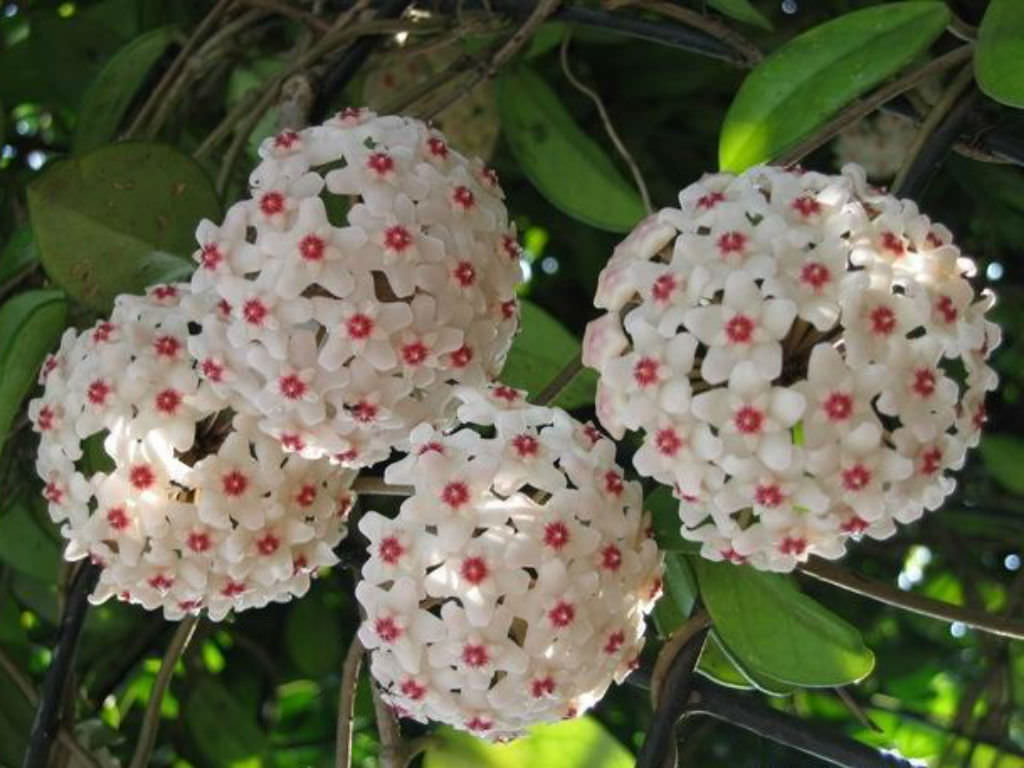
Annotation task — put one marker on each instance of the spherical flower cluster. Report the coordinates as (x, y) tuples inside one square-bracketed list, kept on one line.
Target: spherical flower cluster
[(880, 144), (196, 512), (804, 354), (471, 123), (342, 336), (512, 586)]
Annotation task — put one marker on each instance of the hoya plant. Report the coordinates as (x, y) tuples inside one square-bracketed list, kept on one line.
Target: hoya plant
[(547, 384)]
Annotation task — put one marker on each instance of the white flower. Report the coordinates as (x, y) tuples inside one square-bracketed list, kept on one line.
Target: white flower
[(524, 556)]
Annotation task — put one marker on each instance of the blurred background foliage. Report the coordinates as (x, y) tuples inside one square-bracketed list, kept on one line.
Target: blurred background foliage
[(261, 689)]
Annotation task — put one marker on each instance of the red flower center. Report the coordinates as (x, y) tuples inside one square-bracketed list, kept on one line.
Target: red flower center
[(254, 311), (838, 406), (98, 392), (663, 286), (415, 353), (806, 206), (198, 541), (611, 558), (815, 274), (117, 518), (612, 482), (615, 642), (211, 256), (945, 307), (412, 690), (272, 203), (556, 535), (397, 238), (768, 495), (883, 320), (311, 248), (292, 386), (931, 460), (267, 544), (668, 441), (474, 570), (563, 614), (709, 201), (924, 382), (167, 401), (731, 242), (387, 629), (142, 476), (234, 483), (506, 393), (893, 243), (102, 332), (464, 274), (390, 550), (461, 357), (380, 163), (749, 420), (739, 329), (525, 445), (463, 198), (212, 370), (793, 545), (455, 494), (475, 655), (44, 420), (856, 478), (306, 495), (437, 147), (645, 371)]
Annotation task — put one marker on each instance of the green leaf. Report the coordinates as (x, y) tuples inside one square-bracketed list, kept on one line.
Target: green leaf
[(312, 635), (715, 665), (24, 545), (110, 93), (18, 255), (775, 631), (664, 509), (223, 732), (749, 678), (1000, 52), (806, 81), (563, 163), (15, 721), (579, 743), (542, 349), (30, 325), (1003, 456), (741, 10), (119, 218)]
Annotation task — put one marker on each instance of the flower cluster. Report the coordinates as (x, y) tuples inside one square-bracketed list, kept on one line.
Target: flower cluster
[(879, 144), (512, 586), (471, 123), (183, 507), (804, 354), (340, 337)]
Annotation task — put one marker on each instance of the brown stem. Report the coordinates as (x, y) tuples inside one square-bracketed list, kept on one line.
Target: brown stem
[(347, 702), (750, 55), (684, 632), (1004, 626), (560, 382), (376, 486)]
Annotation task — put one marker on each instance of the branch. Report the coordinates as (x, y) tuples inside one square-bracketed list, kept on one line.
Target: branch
[(666, 656), (747, 54), (936, 135), (392, 745), (865, 106), (554, 388), (660, 740), (40, 738), (376, 486), (151, 720), (908, 601), (746, 712), (347, 702)]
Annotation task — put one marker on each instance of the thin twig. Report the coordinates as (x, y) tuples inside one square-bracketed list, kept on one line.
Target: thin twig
[(392, 745), (376, 486), (347, 702), (44, 725), (65, 736), (670, 650), (1005, 626), (607, 121), (284, 8), (937, 134), (560, 381), (749, 53), (157, 95), (854, 112), (151, 720)]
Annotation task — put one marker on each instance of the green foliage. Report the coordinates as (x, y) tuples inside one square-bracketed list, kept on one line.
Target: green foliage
[(108, 96), (564, 164), (805, 82), (997, 64), (24, 544), (118, 219), (19, 254), (778, 633), (1004, 458), (741, 10), (30, 325), (224, 733), (313, 635), (579, 743), (542, 348)]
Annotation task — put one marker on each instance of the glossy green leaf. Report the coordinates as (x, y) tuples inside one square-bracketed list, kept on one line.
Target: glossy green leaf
[(715, 665), (1000, 53), (775, 631), (313, 637), (24, 545), (664, 509), (579, 743), (18, 254), (30, 325), (741, 10), (562, 162), (15, 721), (119, 218), (1003, 456), (805, 82), (224, 733), (542, 348), (110, 93), (747, 677)]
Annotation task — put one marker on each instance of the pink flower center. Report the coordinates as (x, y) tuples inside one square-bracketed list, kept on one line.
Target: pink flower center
[(167, 401), (475, 655), (464, 274), (211, 256), (668, 441), (98, 392), (563, 614), (931, 460), (611, 558), (432, 446), (510, 247), (815, 274), (709, 201), (506, 393), (397, 238), (161, 582), (455, 494), (663, 287), (556, 535), (793, 545), (615, 642), (733, 556), (463, 198), (141, 476), (749, 420), (437, 147), (291, 386), (381, 163), (233, 588), (163, 292), (612, 481), (102, 332), (117, 518), (479, 723), (945, 307), (390, 550), (893, 243), (254, 311), (44, 420), (838, 406), (267, 544), (291, 441), (645, 372), (272, 203), (883, 320), (542, 686), (234, 483), (461, 357), (854, 525), (474, 570), (508, 309), (806, 206), (856, 478), (306, 495), (286, 139), (212, 370), (53, 492), (198, 541), (525, 445), (412, 690), (415, 353), (311, 248), (364, 411), (739, 329), (731, 242), (387, 629), (768, 495), (924, 382)]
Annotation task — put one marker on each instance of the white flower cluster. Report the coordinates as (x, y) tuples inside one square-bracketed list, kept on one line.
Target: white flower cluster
[(340, 339), (804, 354), (879, 144), (471, 123), (197, 513), (512, 586)]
